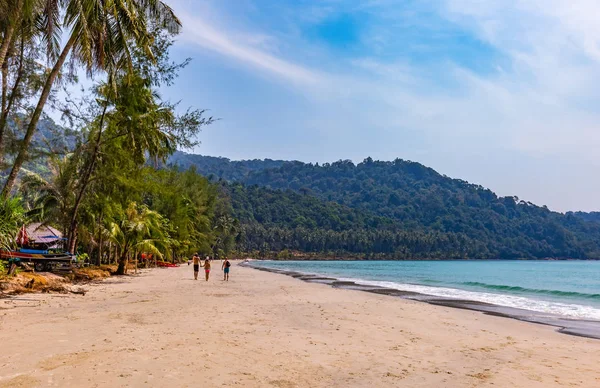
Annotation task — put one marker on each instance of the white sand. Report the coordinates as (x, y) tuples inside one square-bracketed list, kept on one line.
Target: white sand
[(162, 329)]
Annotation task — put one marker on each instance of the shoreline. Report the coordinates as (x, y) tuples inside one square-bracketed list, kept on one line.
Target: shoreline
[(576, 327)]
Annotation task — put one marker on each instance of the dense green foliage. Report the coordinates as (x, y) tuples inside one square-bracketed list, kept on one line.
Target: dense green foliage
[(275, 207), (591, 217), (12, 216), (386, 201), (230, 170), (98, 180), (274, 220)]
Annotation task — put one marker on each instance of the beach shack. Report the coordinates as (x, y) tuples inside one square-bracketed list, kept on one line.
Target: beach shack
[(40, 245), (43, 237)]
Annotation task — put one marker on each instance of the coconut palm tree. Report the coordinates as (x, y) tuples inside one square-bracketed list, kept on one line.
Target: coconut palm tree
[(52, 198), (138, 230), (225, 228), (102, 34)]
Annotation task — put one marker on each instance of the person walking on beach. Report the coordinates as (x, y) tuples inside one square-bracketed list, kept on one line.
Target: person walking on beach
[(196, 260), (225, 267), (207, 267)]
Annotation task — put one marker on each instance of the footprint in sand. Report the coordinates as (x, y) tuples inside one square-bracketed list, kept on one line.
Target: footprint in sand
[(136, 319)]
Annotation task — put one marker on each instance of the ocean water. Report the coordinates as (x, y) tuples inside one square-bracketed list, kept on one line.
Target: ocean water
[(570, 289)]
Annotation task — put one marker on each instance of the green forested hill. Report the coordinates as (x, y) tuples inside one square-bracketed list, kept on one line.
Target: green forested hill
[(50, 138), (222, 167), (381, 203), (277, 220), (591, 217)]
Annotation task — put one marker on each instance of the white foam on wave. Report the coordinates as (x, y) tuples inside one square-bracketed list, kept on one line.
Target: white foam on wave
[(564, 309)]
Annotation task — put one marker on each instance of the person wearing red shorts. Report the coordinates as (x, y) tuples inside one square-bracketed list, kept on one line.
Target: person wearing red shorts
[(207, 267)]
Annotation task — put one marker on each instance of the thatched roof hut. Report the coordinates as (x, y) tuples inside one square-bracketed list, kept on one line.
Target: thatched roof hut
[(40, 234)]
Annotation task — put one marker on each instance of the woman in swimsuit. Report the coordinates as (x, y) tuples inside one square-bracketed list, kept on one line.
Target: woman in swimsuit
[(207, 267)]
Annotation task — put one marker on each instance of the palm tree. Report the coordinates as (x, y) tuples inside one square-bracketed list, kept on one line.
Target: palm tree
[(101, 36), (52, 199), (138, 230), (12, 217), (225, 228)]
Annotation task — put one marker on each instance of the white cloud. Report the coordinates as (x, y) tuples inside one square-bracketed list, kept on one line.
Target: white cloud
[(247, 48), (553, 46)]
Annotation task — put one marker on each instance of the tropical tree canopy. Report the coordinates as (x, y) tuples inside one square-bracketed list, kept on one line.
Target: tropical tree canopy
[(104, 183)]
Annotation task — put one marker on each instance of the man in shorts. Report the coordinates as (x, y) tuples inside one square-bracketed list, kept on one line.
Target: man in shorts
[(196, 260), (225, 267)]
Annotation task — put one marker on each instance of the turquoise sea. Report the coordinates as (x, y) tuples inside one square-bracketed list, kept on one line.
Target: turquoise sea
[(570, 289)]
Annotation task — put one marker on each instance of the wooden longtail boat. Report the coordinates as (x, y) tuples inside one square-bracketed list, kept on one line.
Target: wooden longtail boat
[(42, 260)]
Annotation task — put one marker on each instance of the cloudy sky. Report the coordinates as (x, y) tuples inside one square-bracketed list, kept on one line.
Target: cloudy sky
[(502, 93)]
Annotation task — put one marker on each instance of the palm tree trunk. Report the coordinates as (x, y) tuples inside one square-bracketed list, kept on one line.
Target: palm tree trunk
[(73, 241), (87, 175), (4, 111), (12, 177), (122, 269), (4, 85), (10, 30), (100, 240), (6, 107), (6, 43)]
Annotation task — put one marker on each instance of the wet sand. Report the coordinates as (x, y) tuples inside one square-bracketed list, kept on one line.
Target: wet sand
[(163, 329)]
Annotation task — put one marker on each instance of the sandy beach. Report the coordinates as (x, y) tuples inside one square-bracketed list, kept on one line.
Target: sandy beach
[(163, 329)]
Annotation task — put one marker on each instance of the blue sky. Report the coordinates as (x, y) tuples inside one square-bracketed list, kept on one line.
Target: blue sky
[(496, 92)]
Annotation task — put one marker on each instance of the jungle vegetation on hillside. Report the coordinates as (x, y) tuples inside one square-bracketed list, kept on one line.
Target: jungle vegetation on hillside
[(396, 209)]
